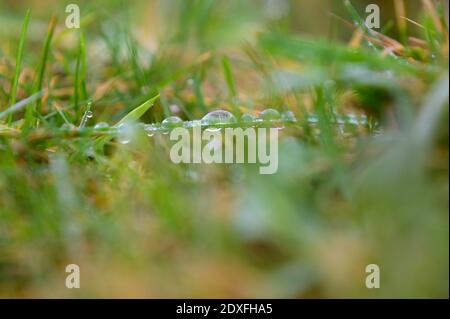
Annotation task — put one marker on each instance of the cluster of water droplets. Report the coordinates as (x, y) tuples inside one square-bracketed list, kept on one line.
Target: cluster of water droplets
[(217, 120)]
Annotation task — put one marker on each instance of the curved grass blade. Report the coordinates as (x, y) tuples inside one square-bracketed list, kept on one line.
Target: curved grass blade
[(136, 113), (20, 105), (30, 118)]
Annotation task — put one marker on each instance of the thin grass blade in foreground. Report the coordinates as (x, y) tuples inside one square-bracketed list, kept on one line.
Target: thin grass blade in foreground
[(226, 65), (19, 62), (30, 118)]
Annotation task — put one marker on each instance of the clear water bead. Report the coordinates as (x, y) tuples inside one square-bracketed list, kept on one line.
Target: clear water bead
[(171, 122), (312, 118), (101, 125), (248, 118), (151, 129), (270, 115), (288, 116), (125, 133), (219, 117), (192, 124)]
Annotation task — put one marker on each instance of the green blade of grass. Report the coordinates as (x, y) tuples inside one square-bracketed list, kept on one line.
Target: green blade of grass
[(30, 116), (136, 113), (45, 54), (229, 78), (80, 75), (198, 93), (18, 62), (20, 105), (359, 21), (165, 105), (356, 18)]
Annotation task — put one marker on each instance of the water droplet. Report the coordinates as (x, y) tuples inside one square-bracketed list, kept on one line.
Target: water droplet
[(151, 129), (389, 74), (192, 175), (270, 115), (172, 122), (90, 152), (87, 115), (312, 118), (288, 116), (219, 117), (248, 118), (352, 119), (191, 124), (125, 133), (363, 120), (101, 126)]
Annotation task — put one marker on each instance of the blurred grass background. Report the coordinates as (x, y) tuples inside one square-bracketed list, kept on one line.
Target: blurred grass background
[(140, 226)]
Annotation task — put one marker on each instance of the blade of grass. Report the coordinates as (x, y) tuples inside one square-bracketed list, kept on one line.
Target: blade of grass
[(134, 115), (165, 106), (229, 76), (61, 113), (399, 6), (80, 75), (324, 114), (198, 93), (18, 62), (228, 73), (133, 55), (30, 116), (137, 112), (20, 105), (358, 20)]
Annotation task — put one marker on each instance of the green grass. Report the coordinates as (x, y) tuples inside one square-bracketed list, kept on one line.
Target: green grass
[(19, 61), (345, 195), (33, 114), (80, 74)]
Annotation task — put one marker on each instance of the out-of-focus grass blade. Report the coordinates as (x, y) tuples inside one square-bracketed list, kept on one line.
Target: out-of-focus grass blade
[(30, 116), (21, 104), (18, 62), (228, 73), (80, 75), (198, 93), (322, 53), (431, 111), (229, 76), (356, 18)]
